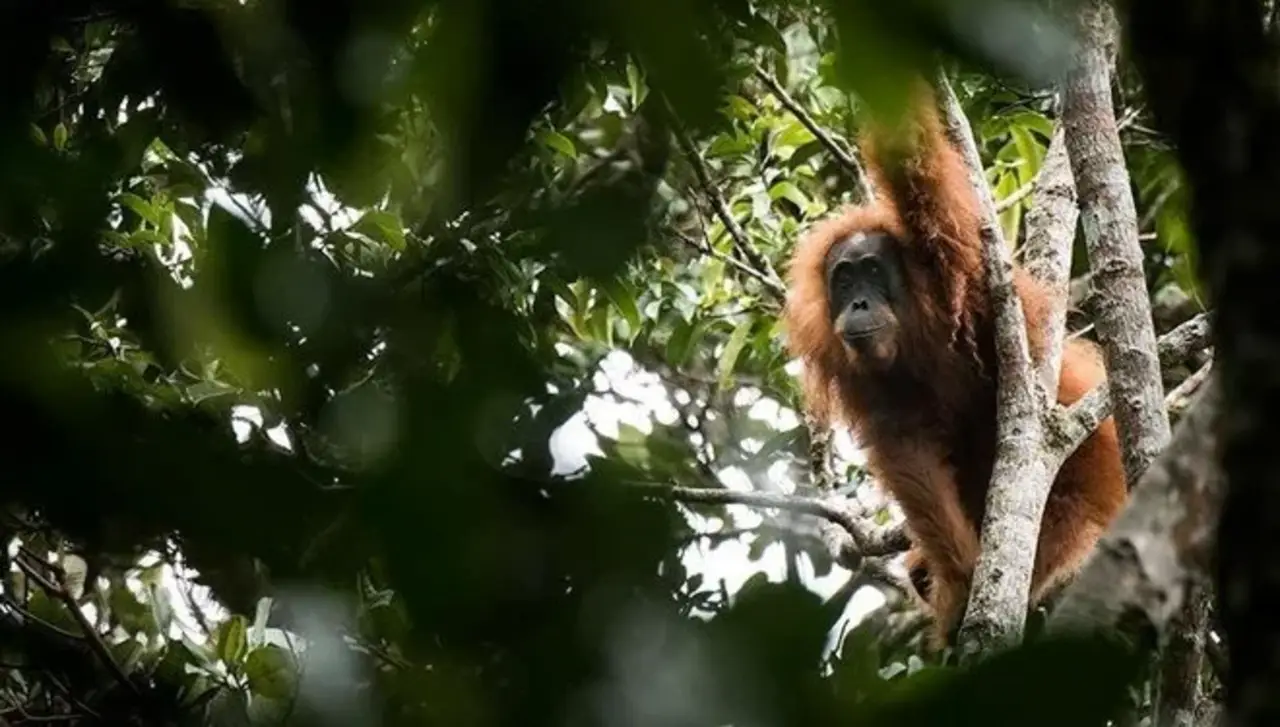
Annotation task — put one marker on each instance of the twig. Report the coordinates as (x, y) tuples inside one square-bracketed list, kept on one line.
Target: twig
[(1177, 401), (59, 592), (1074, 424), (847, 160), (1068, 427), (1016, 196), (1189, 337), (731, 226), (869, 543), (776, 288)]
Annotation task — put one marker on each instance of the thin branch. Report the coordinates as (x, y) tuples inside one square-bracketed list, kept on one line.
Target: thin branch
[(740, 239), (1193, 335), (58, 591), (1019, 194), (869, 542), (775, 288), (847, 160), (1068, 427), (1074, 424), (1178, 400)]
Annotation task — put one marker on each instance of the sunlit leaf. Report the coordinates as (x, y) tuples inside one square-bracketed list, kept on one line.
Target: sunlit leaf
[(74, 570), (558, 142), (230, 639), (271, 672), (789, 191), (383, 226), (740, 108), (732, 349)]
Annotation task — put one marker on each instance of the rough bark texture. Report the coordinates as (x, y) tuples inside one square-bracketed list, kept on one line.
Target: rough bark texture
[(1149, 557), (819, 454), (1209, 72), (1122, 307), (1179, 695), (1177, 400), (1067, 428), (1046, 254), (1021, 478), (1190, 336)]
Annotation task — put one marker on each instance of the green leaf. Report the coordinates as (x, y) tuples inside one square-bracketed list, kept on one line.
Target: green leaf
[(892, 670), (126, 653), (557, 142), (231, 640), (203, 390), (229, 707), (601, 324), (141, 207), (740, 108), (729, 145), (382, 226), (74, 569), (635, 82), (788, 190), (132, 614), (1010, 219), (762, 32), (626, 303), (142, 239), (1030, 151), (1034, 121), (681, 341), (161, 607), (859, 672), (60, 136), (795, 134), (729, 360), (272, 672)]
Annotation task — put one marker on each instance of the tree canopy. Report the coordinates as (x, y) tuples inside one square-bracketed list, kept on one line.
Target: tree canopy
[(294, 297)]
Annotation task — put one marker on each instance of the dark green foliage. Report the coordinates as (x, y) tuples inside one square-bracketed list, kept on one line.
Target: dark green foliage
[(520, 212)]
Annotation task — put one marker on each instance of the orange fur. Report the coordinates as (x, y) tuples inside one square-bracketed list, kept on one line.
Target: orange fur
[(929, 424)]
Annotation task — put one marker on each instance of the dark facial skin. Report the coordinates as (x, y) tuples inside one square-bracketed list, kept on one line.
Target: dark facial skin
[(864, 282)]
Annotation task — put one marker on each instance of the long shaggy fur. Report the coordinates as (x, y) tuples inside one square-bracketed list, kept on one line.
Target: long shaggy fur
[(929, 423)]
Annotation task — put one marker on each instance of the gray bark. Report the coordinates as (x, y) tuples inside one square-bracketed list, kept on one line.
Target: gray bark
[(1021, 477), (1190, 336), (1046, 254), (1179, 692), (1123, 309), (1163, 538)]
